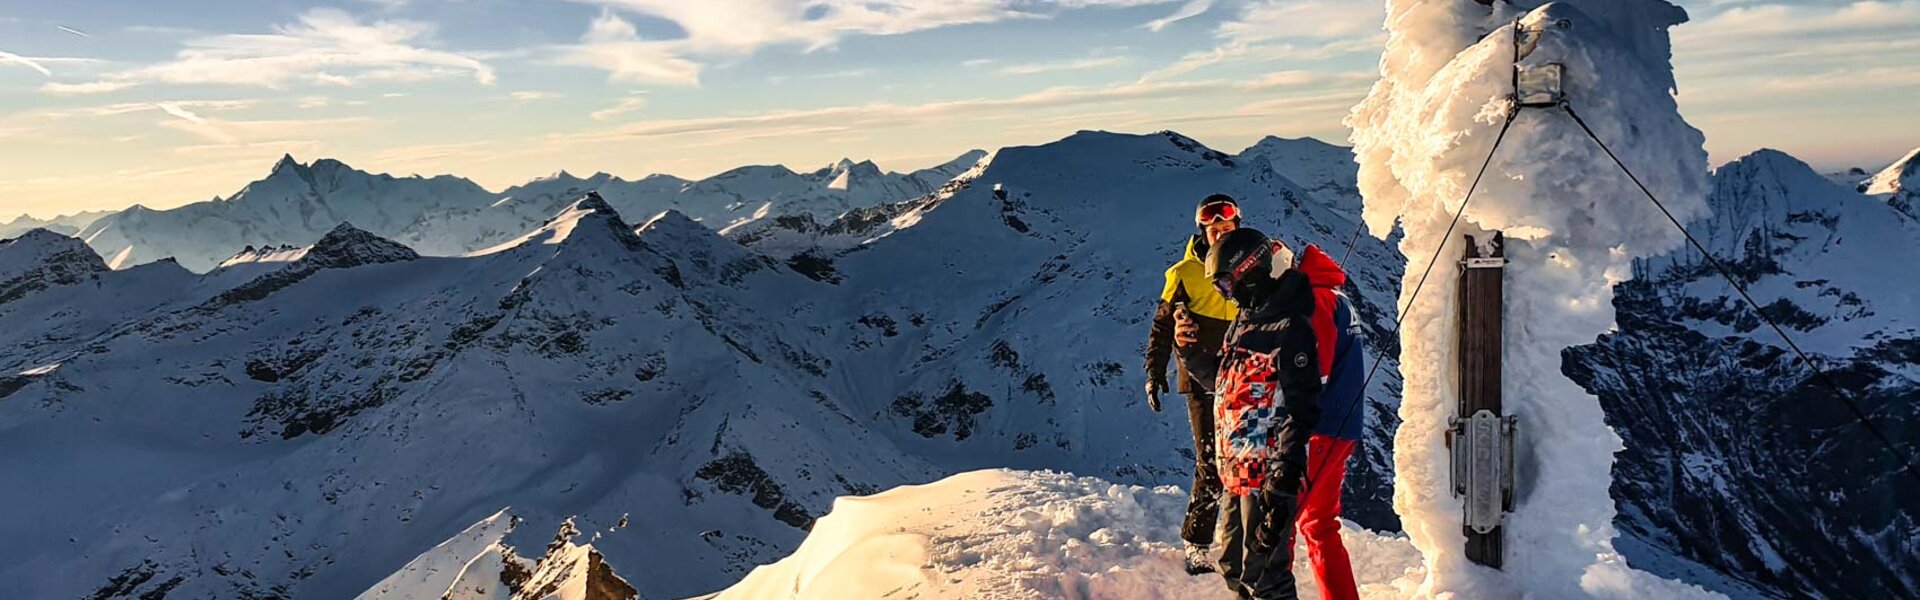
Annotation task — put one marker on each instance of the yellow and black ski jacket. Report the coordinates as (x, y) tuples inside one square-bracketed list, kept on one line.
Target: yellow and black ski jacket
[(1187, 283)]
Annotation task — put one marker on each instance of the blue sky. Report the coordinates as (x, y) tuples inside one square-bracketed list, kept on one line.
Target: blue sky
[(105, 104)]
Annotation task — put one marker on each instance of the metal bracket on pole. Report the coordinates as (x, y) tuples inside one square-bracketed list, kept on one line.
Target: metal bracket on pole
[(1483, 467)]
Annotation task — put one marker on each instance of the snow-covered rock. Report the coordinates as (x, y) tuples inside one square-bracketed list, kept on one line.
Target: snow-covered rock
[(479, 564)]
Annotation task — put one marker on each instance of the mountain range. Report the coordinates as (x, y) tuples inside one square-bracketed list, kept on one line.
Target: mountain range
[(695, 370)]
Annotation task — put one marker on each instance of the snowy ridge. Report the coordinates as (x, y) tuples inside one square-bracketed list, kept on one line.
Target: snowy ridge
[(63, 224), (297, 202)]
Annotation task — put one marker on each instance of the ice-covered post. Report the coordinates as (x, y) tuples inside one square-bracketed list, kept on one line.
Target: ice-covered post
[(1572, 224)]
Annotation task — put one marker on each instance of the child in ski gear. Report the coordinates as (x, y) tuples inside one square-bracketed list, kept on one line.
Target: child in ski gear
[(1266, 404), (1342, 419), (1193, 317)]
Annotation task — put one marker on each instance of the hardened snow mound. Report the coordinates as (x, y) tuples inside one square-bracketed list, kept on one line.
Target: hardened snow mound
[(1005, 535), (1573, 223)]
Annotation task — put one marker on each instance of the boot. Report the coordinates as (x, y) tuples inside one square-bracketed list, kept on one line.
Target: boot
[(1199, 559)]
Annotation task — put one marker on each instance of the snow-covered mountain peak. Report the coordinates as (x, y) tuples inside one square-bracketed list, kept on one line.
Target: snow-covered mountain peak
[(1901, 176), (1767, 184), (671, 223), (349, 246), (286, 163), (39, 249)]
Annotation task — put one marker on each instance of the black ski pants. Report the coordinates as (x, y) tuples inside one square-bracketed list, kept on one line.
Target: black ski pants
[(1257, 560), (1203, 503)]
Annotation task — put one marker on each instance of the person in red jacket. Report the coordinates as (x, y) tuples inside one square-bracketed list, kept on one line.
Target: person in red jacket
[(1342, 419)]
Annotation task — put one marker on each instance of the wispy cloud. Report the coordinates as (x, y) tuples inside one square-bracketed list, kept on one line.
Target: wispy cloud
[(1269, 20), (1065, 65), (15, 59), (840, 74), (886, 115), (626, 105), (532, 95), (611, 44), (325, 46), (1193, 8), (734, 28), (1294, 31)]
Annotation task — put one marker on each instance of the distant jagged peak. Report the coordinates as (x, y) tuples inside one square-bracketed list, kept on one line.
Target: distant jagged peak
[(1901, 176), (286, 162)]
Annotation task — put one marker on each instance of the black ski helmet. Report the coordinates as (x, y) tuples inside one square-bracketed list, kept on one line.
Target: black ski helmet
[(1241, 263)]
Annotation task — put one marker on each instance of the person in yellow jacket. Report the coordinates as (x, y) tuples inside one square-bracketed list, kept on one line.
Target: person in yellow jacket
[(1190, 323)]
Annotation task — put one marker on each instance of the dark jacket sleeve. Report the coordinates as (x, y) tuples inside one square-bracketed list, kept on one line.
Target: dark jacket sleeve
[(1160, 339), (1297, 363)]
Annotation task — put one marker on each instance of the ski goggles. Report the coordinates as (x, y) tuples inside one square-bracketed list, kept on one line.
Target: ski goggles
[(1210, 213)]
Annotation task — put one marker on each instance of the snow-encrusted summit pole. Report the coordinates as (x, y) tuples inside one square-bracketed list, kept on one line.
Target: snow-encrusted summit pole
[(1573, 224)]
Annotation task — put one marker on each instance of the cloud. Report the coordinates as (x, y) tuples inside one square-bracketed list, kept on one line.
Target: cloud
[(883, 115), (626, 105), (840, 74), (734, 28), (326, 46), (530, 96), (611, 44), (1191, 9), (15, 59), (222, 132), (1065, 65), (1264, 53), (1269, 20)]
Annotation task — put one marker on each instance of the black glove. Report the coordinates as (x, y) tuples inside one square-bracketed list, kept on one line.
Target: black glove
[(1274, 531), (1155, 386), (1288, 477)]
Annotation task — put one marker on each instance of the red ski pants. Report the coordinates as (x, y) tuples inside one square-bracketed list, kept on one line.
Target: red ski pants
[(1319, 521)]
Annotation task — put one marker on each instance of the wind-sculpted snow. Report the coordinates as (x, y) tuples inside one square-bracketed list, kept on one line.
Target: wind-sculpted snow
[(1572, 222)]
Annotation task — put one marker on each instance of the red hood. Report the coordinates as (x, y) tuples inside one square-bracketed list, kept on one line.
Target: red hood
[(1320, 268)]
